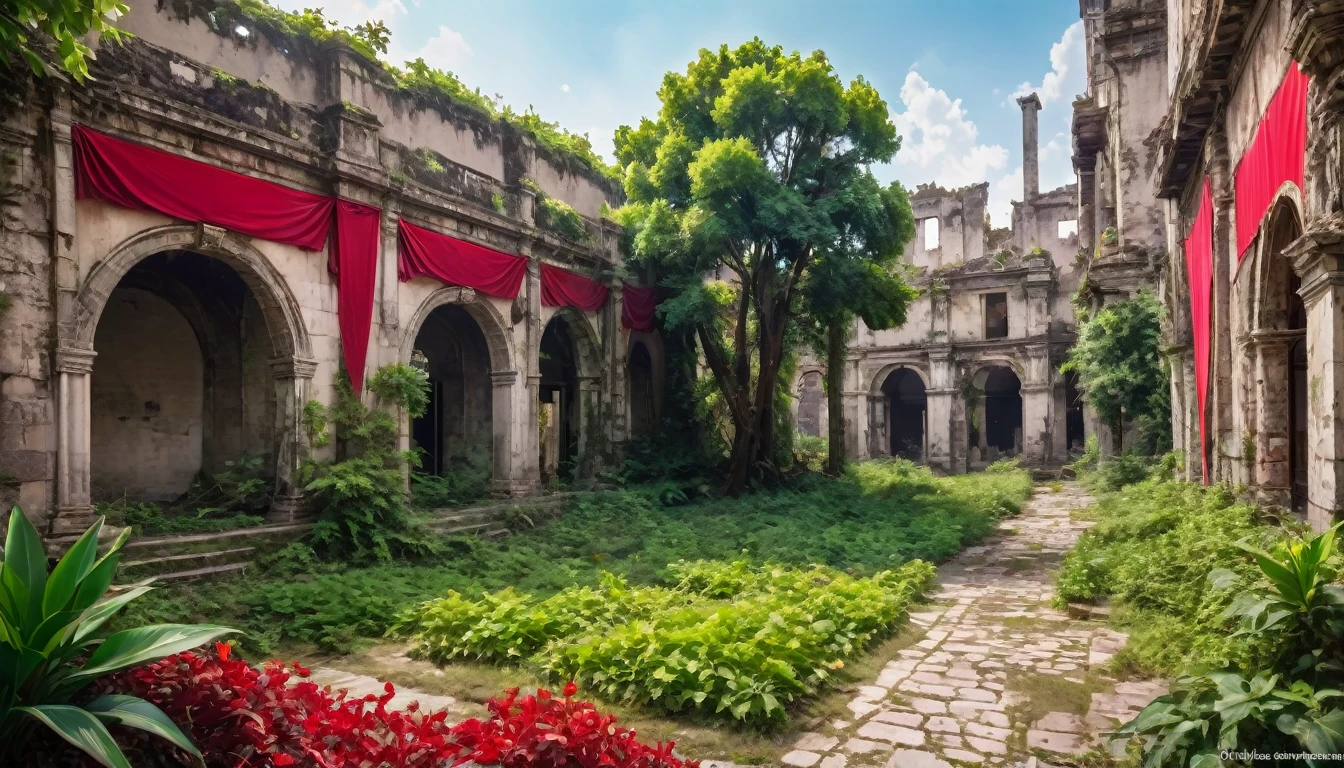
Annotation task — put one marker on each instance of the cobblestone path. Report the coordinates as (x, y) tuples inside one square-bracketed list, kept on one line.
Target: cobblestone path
[(999, 675)]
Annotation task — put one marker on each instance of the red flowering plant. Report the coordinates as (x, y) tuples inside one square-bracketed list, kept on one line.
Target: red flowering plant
[(541, 731)]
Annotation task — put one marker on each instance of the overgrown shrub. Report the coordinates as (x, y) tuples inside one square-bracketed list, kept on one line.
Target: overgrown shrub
[(235, 498), (729, 641), (1151, 554), (450, 488)]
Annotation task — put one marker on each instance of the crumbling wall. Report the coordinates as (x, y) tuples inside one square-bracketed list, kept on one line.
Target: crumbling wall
[(961, 225)]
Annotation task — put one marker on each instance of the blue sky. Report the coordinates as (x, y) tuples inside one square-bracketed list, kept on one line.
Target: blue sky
[(947, 68)]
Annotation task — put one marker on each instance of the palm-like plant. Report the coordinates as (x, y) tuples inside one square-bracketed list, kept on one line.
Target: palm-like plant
[(51, 649)]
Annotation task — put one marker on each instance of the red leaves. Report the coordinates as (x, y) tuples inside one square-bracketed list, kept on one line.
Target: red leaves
[(241, 717), (543, 732)]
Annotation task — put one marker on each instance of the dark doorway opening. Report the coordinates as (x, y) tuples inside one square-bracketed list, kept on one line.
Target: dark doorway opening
[(642, 418), (1074, 433), (560, 402), (1003, 411), (908, 411), (455, 435)]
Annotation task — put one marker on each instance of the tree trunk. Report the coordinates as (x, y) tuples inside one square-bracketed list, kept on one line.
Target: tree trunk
[(837, 334), (1118, 437)]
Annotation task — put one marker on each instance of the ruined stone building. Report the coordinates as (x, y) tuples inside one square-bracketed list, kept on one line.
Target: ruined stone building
[(974, 374), (1250, 167), (138, 349)]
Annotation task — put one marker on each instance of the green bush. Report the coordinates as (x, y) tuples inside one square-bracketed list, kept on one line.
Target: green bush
[(449, 489), (1151, 554), (730, 640)]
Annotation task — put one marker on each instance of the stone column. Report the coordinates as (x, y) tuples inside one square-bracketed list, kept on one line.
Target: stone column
[(590, 432), (527, 450), (293, 377), (1219, 419), (1318, 257), (938, 399), (74, 501), (1037, 393), (1273, 477), (618, 419), (1031, 169), (506, 431), (878, 443)]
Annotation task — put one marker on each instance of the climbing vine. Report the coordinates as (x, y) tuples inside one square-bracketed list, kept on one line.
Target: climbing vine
[(557, 216)]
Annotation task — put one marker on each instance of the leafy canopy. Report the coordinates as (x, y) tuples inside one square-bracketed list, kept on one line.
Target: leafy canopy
[(48, 34)]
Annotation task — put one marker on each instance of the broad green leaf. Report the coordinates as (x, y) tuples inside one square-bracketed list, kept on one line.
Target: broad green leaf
[(71, 570), (96, 615), (81, 729), (133, 647), (135, 712), (1326, 734), (25, 568), (1206, 760)]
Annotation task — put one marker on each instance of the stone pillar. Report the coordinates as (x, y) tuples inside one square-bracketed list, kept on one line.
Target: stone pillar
[(590, 427), (1037, 392), (506, 430), (293, 377), (616, 337), (1273, 478), (527, 467), (938, 399), (1219, 420), (878, 443), (1318, 257), (74, 500), (1031, 169)]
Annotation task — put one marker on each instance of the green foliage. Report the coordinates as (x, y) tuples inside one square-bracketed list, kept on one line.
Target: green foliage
[(1152, 554), (236, 498), (361, 498), (1294, 702), (52, 647), (1120, 370), (368, 40), (728, 640), (49, 34), (147, 519), (877, 517), (811, 452), (449, 489), (758, 163), (315, 420), (558, 216)]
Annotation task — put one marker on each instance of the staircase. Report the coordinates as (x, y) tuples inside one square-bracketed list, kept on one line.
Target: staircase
[(490, 520)]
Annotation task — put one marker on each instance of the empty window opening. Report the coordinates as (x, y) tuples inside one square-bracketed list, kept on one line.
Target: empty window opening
[(931, 234), (1068, 229), (996, 316)]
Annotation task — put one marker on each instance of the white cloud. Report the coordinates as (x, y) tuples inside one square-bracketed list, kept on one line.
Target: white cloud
[(1068, 69), (447, 50), (1002, 192), (564, 87), (940, 142)]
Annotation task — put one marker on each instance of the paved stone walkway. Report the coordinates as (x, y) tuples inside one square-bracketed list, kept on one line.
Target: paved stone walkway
[(993, 653)]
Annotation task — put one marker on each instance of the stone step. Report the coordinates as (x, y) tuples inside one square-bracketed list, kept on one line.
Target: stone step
[(176, 563), (222, 540), (488, 528), (208, 573)]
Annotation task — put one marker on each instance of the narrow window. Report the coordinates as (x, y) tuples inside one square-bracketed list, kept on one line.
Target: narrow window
[(996, 316), (931, 234), (1068, 229)]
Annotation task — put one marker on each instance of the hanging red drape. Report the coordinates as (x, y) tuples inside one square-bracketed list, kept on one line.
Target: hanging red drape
[(146, 179), (424, 253), (1199, 269), (1277, 154), (562, 288), (637, 308), (353, 260)]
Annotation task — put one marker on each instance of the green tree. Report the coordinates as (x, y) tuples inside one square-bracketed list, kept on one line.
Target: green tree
[(757, 165), (856, 279), (1119, 364), (48, 34)]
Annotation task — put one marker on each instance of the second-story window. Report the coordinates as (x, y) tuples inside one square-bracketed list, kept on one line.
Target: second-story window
[(996, 316)]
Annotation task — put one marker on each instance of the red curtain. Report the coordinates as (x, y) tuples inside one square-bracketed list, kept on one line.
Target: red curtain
[(1276, 154), (638, 305), (562, 288), (146, 179), (1199, 268), (354, 261), (423, 253)]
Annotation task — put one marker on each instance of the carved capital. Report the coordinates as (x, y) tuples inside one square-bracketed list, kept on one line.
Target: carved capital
[(293, 367), (503, 378), (209, 237), (1318, 258), (76, 361)]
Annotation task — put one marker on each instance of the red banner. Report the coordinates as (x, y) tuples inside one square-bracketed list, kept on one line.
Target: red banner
[(1199, 269), (1276, 155), (147, 179), (424, 253), (637, 308), (562, 288)]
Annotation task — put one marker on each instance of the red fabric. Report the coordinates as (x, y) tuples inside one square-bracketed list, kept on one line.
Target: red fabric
[(146, 179), (1276, 154), (562, 288), (1199, 268), (638, 305), (353, 259), (423, 253)]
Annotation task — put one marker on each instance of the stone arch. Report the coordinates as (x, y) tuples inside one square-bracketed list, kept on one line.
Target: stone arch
[(486, 316), (586, 344), (880, 378), (644, 399), (811, 415), (996, 428), (569, 442), (284, 319)]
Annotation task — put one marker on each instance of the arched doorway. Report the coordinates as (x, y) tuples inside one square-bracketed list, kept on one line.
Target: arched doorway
[(1075, 435), (567, 393), (907, 413), (811, 401), (643, 418), (456, 433), (182, 386), (1280, 341), (997, 432)]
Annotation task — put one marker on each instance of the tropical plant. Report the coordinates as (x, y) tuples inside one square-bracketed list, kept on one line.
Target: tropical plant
[(1297, 705), (51, 649), (49, 34)]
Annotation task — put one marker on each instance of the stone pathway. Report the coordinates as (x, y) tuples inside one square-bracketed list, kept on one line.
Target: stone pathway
[(994, 652), (363, 685)]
